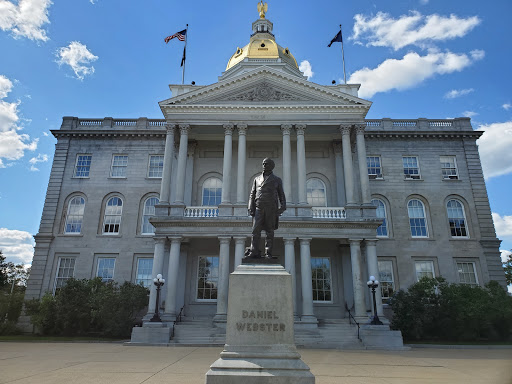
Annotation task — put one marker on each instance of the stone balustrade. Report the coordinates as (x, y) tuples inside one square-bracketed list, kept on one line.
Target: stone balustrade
[(201, 212), (329, 213)]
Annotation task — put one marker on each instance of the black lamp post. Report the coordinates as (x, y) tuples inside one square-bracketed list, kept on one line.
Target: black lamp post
[(373, 284), (158, 281)]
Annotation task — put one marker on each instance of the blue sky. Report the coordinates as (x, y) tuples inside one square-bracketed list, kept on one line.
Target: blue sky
[(85, 58)]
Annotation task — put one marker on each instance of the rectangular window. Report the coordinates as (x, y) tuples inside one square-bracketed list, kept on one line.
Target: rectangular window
[(144, 272), (386, 278), (321, 274), (207, 278), (449, 167), (156, 166), (467, 273), (106, 268), (65, 271), (374, 167), (411, 167), (424, 269), (119, 166), (83, 166)]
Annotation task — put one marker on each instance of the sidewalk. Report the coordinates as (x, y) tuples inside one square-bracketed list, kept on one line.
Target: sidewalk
[(113, 363)]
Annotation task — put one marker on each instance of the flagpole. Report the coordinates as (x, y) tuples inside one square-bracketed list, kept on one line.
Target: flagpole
[(184, 56), (343, 57)]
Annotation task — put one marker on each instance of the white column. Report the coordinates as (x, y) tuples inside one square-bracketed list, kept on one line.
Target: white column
[(340, 182), (172, 277), (373, 270), (226, 167), (239, 249), (307, 284), (301, 164), (287, 161), (289, 264), (241, 197), (158, 267), (347, 164), (165, 188), (182, 164), (223, 284), (357, 282), (363, 170)]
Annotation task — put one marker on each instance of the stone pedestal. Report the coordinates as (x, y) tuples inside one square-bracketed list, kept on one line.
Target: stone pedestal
[(260, 345), (151, 333)]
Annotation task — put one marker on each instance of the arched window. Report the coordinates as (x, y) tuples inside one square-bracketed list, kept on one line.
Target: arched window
[(212, 191), (316, 194), (456, 218), (381, 214), (75, 215), (417, 218), (112, 217), (148, 211)]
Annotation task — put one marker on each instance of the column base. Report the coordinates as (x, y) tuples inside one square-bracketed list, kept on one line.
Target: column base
[(220, 318), (309, 319)]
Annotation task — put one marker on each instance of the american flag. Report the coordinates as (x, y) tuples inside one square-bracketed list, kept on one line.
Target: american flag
[(180, 35)]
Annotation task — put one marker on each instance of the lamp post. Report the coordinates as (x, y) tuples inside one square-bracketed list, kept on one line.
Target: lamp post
[(373, 284), (158, 281)]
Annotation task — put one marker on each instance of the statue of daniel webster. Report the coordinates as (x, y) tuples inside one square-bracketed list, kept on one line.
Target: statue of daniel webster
[(266, 202)]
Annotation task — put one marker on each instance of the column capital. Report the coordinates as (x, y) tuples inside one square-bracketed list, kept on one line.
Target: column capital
[(305, 240), (242, 128), (371, 242), (160, 240), (170, 127), (184, 128), (175, 239), (345, 128), (360, 128), (355, 241), (239, 239), (336, 145), (300, 128), (286, 128), (289, 240), (224, 239), (228, 128)]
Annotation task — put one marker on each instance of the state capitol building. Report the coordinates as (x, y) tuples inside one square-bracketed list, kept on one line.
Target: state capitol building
[(399, 199)]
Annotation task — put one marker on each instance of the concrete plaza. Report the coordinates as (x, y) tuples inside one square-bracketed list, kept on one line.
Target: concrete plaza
[(113, 363)]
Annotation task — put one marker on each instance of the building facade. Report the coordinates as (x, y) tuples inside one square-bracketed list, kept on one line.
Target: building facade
[(398, 199)]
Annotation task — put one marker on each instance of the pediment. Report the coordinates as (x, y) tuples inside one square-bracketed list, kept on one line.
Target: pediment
[(266, 86)]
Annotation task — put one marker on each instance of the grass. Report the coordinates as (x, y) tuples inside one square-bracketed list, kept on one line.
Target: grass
[(46, 339), (441, 342)]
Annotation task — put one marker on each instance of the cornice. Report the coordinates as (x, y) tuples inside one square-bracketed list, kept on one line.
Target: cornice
[(191, 108), (132, 134), (422, 134)]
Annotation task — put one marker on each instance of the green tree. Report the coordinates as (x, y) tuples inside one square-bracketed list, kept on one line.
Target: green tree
[(507, 266)]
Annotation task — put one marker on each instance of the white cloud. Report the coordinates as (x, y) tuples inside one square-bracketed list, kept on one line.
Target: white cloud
[(46, 134), (78, 57), (469, 114), (305, 67), (407, 72), (383, 30), (494, 147), (454, 93), (41, 158), (477, 54), (503, 225), (17, 246), (504, 255), (26, 18), (423, 2), (506, 106), (12, 144)]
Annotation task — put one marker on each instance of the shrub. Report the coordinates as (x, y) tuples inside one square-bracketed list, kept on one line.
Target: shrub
[(85, 307), (432, 309)]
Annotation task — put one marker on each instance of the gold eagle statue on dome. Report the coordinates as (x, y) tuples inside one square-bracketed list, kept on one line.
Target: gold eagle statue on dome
[(262, 8)]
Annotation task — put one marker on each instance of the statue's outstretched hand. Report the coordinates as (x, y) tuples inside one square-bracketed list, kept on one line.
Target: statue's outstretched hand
[(281, 210), (251, 212)]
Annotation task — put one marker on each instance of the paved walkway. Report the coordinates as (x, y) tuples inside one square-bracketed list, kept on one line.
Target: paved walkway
[(80, 363)]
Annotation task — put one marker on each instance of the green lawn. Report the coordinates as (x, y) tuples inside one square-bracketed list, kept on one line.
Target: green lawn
[(32, 338)]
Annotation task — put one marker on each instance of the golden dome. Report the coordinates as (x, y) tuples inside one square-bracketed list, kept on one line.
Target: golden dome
[(262, 45)]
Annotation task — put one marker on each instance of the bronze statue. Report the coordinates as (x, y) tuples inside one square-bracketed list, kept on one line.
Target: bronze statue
[(262, 9), (266, 203)]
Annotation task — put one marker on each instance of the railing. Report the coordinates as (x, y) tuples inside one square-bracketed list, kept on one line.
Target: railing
[(440, 123), (91, 123), (201, 212), (350, 318), (125, 123), (156, 123), (404, 123), (329, 213), (178, 320)]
